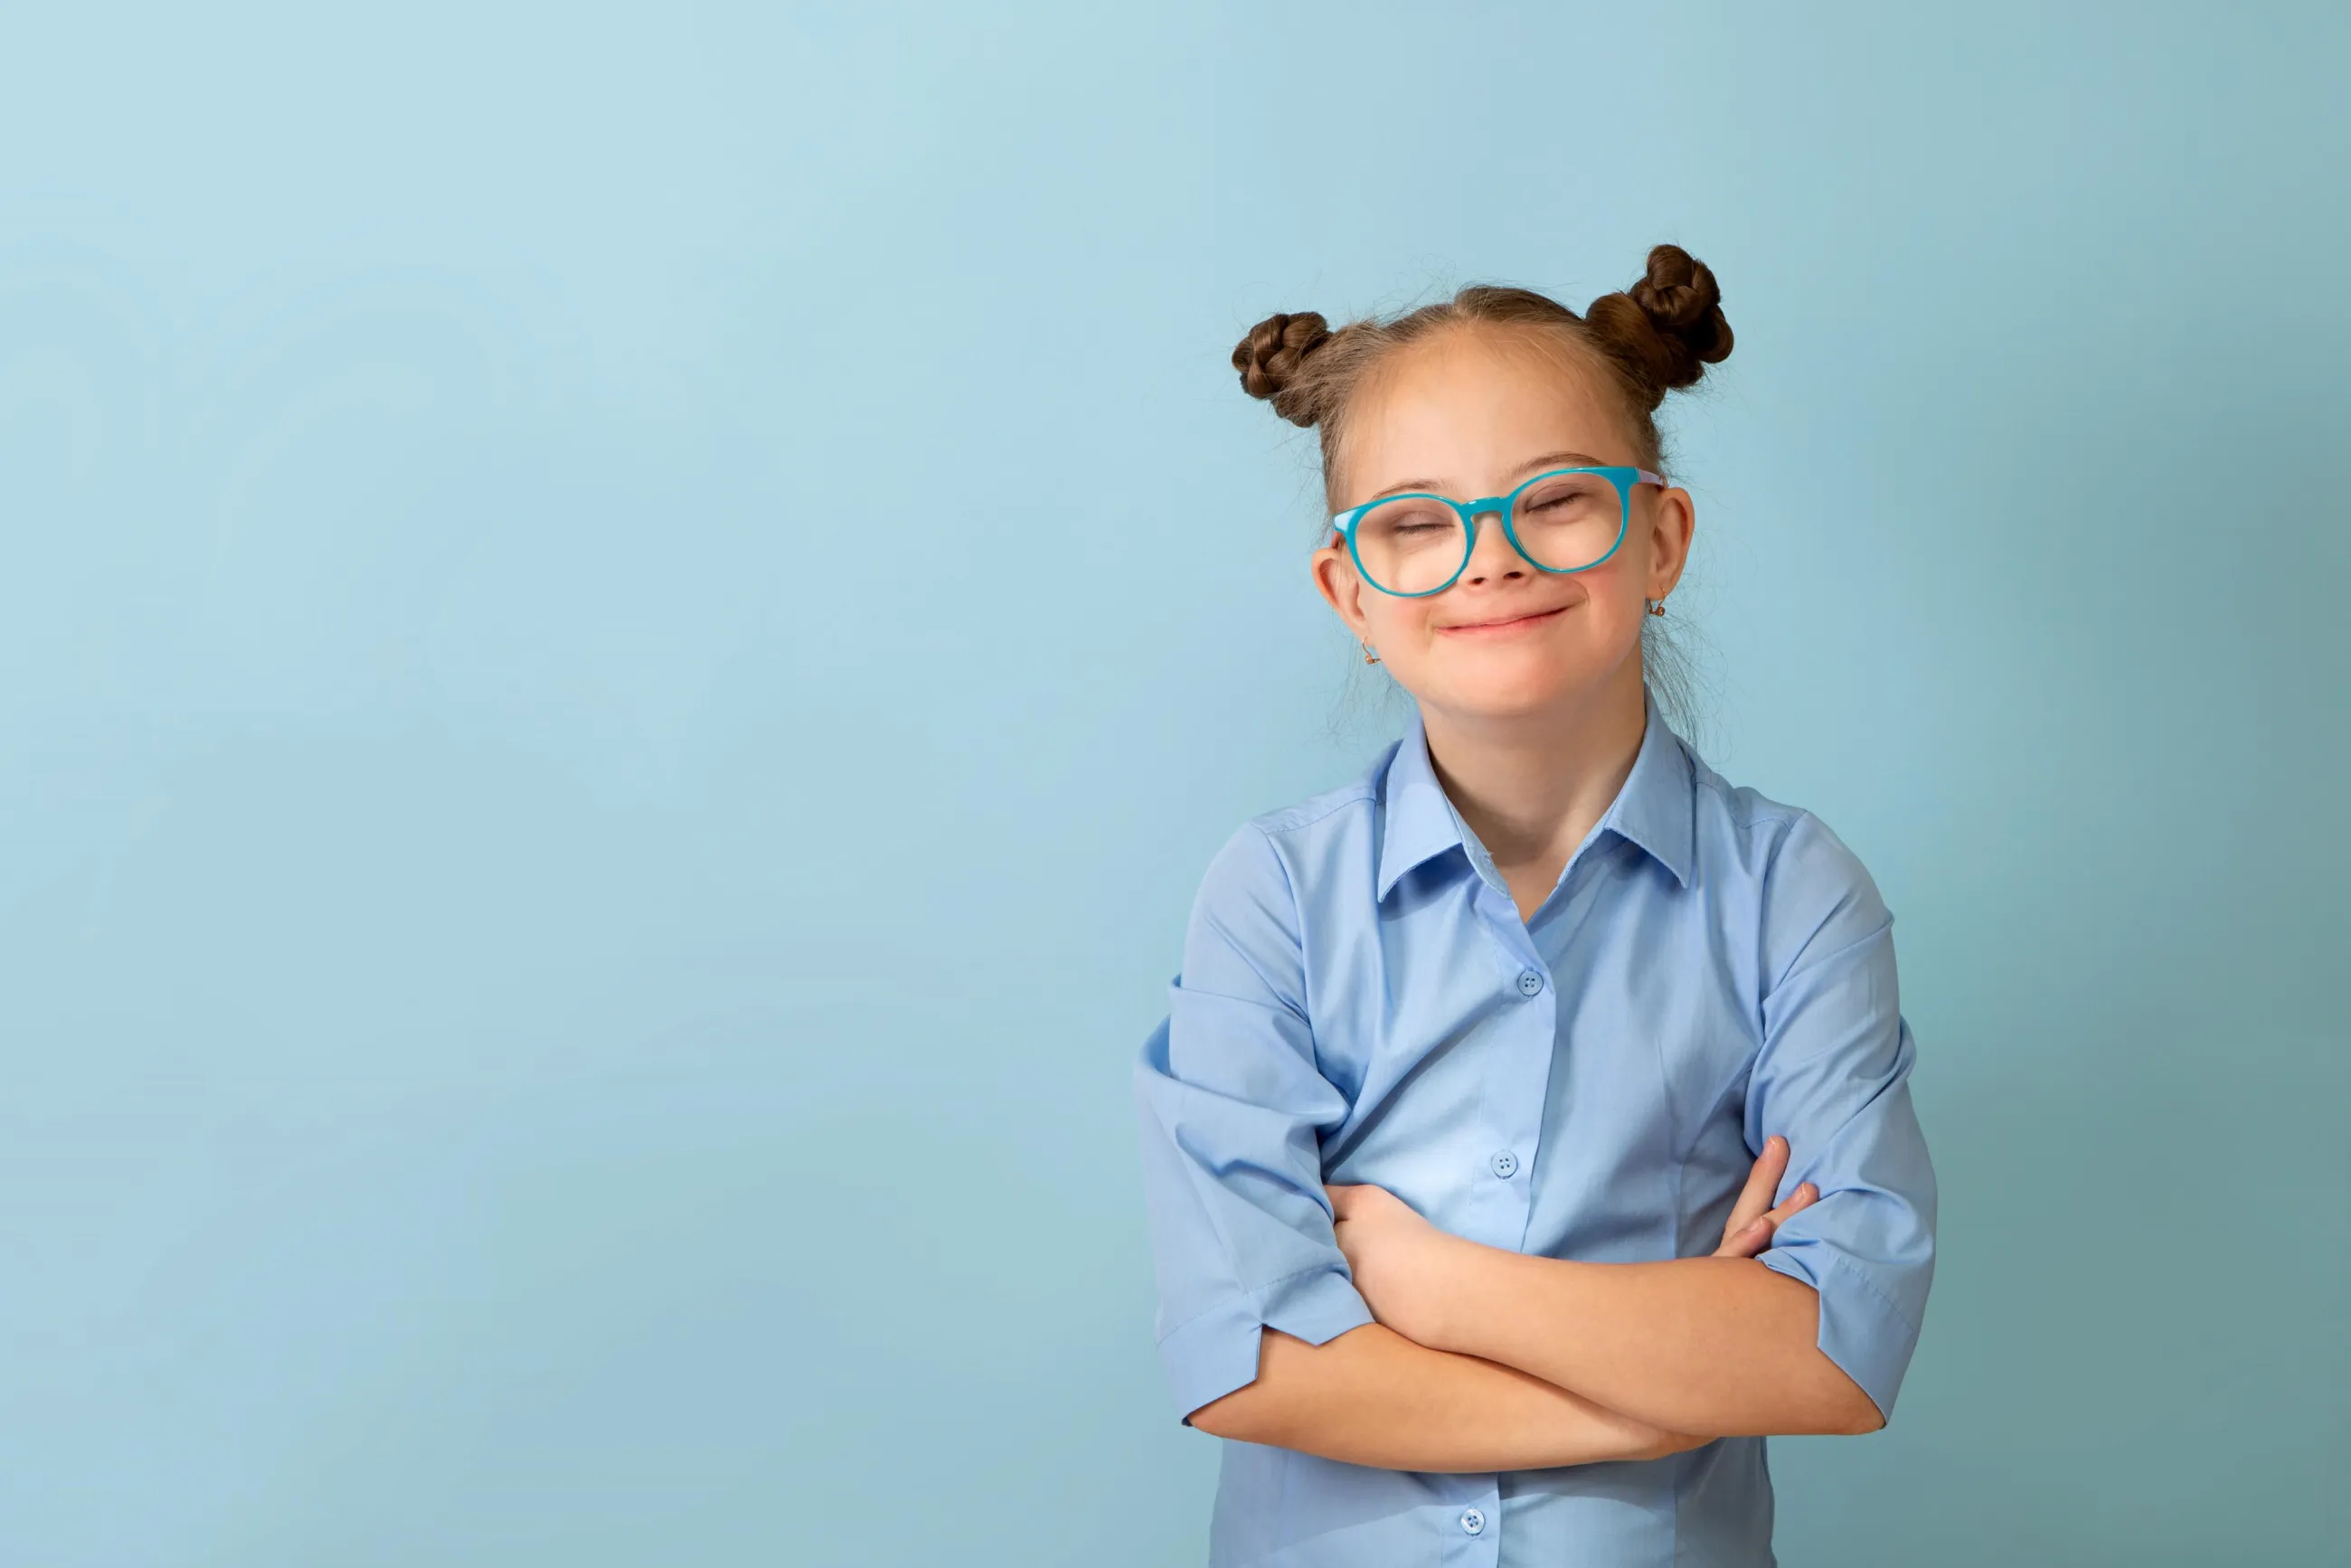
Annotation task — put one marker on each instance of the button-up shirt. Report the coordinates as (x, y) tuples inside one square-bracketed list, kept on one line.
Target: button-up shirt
[(1360, 1001)]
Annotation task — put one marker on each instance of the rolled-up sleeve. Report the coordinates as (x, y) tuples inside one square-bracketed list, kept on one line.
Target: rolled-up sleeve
[(1833, 1076), (1233, 1107)]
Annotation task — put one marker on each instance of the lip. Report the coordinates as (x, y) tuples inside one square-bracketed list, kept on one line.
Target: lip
[(1504, 628)]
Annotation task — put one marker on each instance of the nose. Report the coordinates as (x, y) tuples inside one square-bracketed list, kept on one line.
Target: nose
[(1492, 557)]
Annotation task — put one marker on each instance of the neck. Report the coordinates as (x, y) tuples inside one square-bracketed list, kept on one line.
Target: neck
[(1532, 787)]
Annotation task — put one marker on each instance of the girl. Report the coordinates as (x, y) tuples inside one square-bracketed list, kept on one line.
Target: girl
[(1469, 1057)]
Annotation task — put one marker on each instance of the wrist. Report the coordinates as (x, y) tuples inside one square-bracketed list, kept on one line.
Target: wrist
[(1660, 1444), (1592, 1433)]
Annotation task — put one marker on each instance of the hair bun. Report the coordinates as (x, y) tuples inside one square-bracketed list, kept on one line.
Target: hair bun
[(1668, 327), (1270, 357)]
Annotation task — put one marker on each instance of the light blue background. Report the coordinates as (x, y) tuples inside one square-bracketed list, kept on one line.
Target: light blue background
[(625, 629)]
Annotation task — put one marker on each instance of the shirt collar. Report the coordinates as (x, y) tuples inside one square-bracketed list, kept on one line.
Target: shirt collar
[(1657, 807), (1654, 810)]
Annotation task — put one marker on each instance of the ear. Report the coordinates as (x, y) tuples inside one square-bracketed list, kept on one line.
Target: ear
[(1672, 519), (1342, 588)]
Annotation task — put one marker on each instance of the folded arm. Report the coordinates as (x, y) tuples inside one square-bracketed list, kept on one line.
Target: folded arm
[(1718, 1344), (1371, 1397)]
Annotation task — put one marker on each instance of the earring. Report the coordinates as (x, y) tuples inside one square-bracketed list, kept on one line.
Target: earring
[(1370, 657), (1656, 607)]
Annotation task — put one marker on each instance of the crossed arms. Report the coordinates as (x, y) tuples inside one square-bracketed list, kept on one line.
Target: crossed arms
[(1484, 1359), (1334, 1321)]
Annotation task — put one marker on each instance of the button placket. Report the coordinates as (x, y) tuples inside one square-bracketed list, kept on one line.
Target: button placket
[(1511, 1102), (1514, 1100)]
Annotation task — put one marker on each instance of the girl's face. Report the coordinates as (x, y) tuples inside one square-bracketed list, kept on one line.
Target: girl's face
[(1471, 412)]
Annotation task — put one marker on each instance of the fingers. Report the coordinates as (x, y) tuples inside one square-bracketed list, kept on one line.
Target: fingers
[(1749, 1239), (1753, 1221), (1803, 1197), (1762, 1181)]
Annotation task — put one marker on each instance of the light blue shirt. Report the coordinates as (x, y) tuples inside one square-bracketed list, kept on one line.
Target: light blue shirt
[(1360, 1001)]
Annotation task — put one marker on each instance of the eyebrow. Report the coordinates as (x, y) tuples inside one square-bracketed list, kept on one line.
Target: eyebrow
[(1572, 459)]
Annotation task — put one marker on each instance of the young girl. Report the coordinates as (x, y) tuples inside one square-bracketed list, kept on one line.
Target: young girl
[(1468, 1058)]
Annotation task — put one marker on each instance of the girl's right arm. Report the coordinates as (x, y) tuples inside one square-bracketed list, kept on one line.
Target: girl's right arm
[(1371, 1397)]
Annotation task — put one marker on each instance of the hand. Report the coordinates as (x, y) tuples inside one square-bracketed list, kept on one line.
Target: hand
[(1752, 1220), (1401, 1262)]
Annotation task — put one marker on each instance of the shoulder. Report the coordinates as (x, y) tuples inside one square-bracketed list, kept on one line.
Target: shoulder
[(1269, 884), (1809, 890), (1268, 862), (1294, 839), (1330, 811)]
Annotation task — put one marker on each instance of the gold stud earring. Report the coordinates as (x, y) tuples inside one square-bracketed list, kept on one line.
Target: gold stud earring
[(1370, 657)]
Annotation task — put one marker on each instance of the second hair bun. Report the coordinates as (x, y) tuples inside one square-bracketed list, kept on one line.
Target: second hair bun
[(1669, 326)]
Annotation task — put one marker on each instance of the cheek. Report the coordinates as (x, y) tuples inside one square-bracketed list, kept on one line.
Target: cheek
[(1396, 620), (1618, 583)]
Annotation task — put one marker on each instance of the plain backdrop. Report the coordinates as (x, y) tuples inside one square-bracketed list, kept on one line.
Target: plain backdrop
[(624, 631)]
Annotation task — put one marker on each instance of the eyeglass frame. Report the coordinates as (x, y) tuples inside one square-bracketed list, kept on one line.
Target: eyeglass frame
[(1622, 476)]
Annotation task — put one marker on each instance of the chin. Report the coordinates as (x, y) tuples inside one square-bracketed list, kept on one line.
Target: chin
[(1511, 694), (1504, 683)]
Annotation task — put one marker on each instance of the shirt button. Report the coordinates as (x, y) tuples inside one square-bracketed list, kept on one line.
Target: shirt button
[(1472, 1520), (1505, 1164), (1530, 982)]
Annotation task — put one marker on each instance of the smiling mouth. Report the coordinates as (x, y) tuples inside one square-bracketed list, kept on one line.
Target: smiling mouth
[(1502, 628)]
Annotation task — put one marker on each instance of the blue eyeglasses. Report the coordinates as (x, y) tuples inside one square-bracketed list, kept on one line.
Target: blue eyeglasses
[(1568, 519)]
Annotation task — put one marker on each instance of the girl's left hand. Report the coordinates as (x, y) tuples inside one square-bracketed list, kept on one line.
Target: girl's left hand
[(1400, 1261), (1753, 1222)]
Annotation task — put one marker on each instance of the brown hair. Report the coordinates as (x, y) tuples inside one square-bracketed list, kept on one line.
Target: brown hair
[(1649, 340)]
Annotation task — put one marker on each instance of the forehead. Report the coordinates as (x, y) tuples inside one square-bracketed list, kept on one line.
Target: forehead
[(1471, 404)]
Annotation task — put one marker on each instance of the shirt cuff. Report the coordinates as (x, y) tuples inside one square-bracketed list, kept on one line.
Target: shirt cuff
[(1867, 1335), (1213, 1353)]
